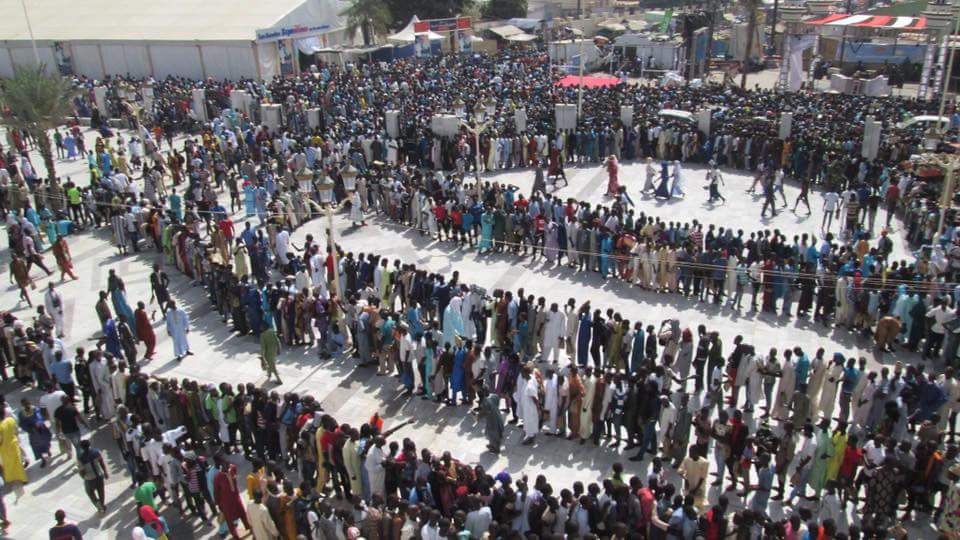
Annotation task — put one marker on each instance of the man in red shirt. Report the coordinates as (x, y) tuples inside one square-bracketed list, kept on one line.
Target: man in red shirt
[(714, 521), (647, 503)]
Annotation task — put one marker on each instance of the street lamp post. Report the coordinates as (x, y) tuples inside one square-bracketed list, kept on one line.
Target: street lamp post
[(751, 28), (950, 164), (33, 42), (941, 128), (349, 176), (580, 81), (478, 127)]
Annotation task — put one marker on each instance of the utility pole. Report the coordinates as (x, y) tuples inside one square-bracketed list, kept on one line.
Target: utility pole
[(580, 80), (941, 128), (580, 61), (712, 13), (332, 243), (773, 26), (33, 42), (843, 40), (751, 28)]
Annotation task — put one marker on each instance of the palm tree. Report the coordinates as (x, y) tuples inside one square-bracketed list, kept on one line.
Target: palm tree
[(36, 101), (371, 17)]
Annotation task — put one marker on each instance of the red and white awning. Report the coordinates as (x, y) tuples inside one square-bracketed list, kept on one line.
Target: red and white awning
[(880, 22)]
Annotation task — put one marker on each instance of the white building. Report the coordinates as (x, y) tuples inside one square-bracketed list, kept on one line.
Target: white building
[(190, 38)]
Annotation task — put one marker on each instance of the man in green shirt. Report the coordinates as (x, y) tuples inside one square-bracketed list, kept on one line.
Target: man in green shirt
[(269, 349), (58, 142), (229, 413), (75, 200), (146, 492)]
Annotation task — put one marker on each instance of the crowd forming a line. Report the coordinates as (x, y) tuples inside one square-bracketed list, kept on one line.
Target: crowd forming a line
[(452, 342)]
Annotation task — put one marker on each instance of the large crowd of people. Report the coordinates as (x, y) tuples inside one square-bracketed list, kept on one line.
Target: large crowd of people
[(848, 451)]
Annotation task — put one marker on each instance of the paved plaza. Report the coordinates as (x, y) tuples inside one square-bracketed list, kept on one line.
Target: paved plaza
[(352, 395)]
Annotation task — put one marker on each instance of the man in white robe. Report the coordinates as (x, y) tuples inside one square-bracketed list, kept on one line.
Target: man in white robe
[(553, 333), (530, 408), (356, 209), (551, 401), (283, 248), (668, 416), (178, 326), (471, 301), (318, 269), (373, 463), (818, 374), (53, 303), (785, 388), (103, 386), (754, 379), (586, 404), (261, 524), (828, 394), (572, 325), (951, 388), (862, 400), (118, 384)]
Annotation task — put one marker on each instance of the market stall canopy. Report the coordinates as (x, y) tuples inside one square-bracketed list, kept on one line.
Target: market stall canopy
[(170, 20), (408, 35), (613, 27), (588, 82), (506, 31), (880, 22), (523, 37), (525, 24)]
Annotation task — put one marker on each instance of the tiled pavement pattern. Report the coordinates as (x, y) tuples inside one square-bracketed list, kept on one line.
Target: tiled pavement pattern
[(352, 395)]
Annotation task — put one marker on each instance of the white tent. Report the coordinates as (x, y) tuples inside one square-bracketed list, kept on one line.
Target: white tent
[(520, 38), (505, 31), (191, 38), (408, 35)]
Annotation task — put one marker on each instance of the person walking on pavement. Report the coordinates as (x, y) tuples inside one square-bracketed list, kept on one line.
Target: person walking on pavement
[(831, 205), (53, 302), (768, 197), (269, 349), (20, 271), (93, 469), (62, 530), (178, 326)]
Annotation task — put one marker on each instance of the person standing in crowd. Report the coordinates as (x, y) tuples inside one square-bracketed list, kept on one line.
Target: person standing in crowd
[(93, 470), (64, 530), (10, 455), (178, 326), (169, 430), (53, 303), (144, 330)]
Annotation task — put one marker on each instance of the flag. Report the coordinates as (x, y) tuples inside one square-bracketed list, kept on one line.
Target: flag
[(665, 24)]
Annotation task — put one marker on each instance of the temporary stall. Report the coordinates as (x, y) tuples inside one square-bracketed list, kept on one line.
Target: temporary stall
[(662, 50), (568, 52), (588, 82), (525, 24), (445, 125), (505, 31), (191, 38), (409, 35), (521, 38)]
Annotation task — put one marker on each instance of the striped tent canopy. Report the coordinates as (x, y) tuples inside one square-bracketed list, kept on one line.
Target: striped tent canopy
[(879, 22)]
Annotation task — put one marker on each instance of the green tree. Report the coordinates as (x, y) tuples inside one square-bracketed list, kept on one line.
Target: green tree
[(37, 101), (428, 9), (505, 9), (371, 17)]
